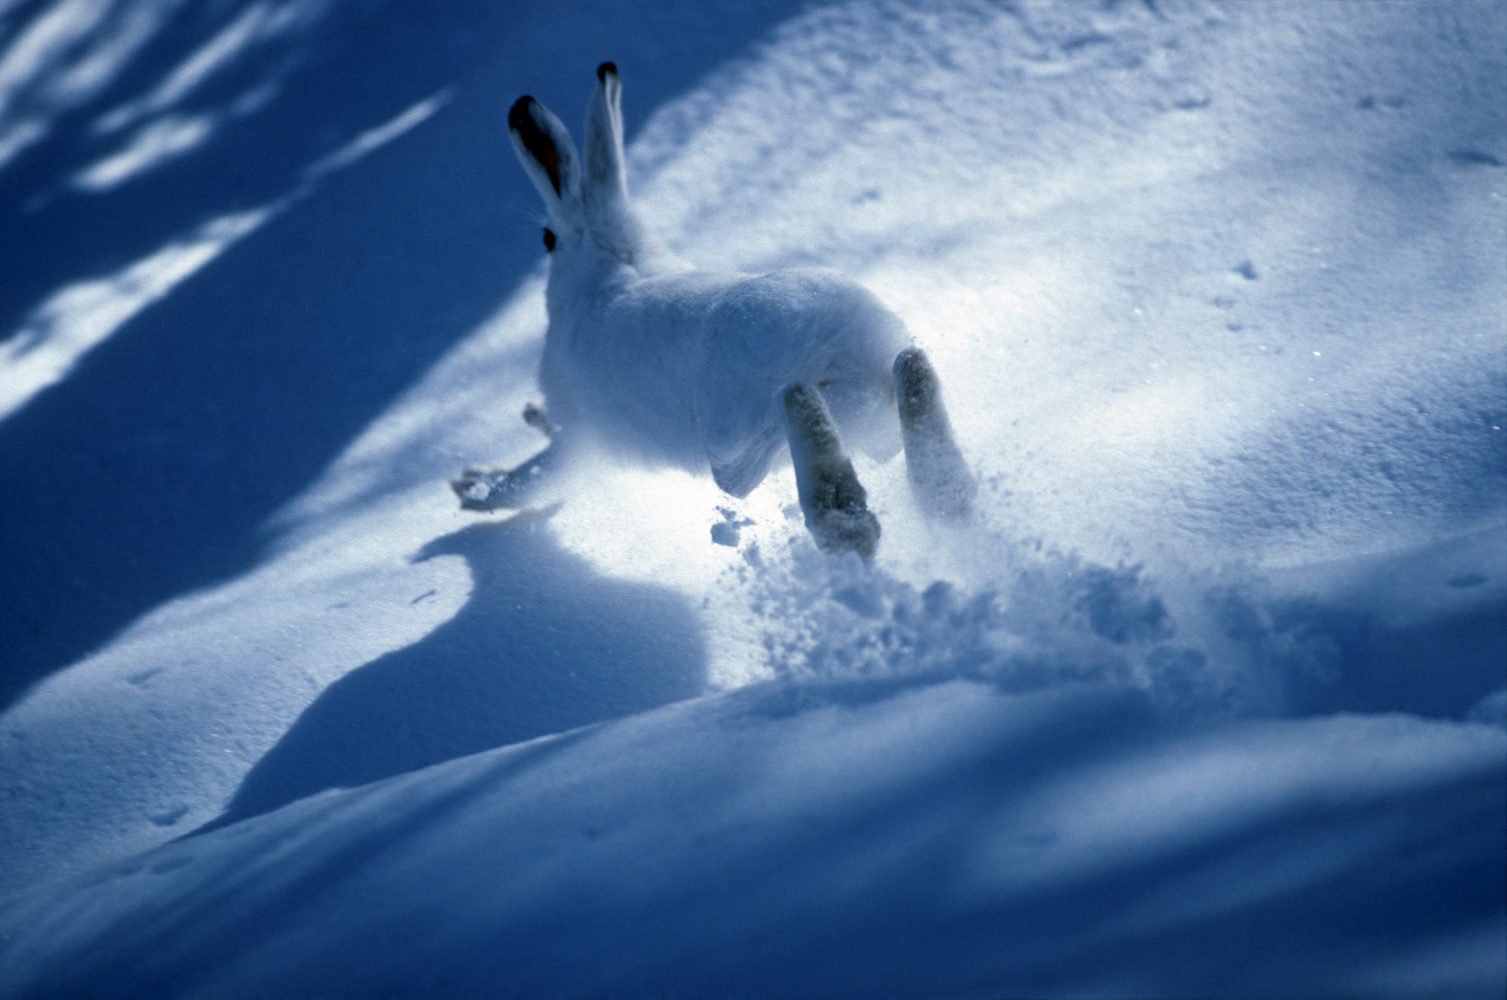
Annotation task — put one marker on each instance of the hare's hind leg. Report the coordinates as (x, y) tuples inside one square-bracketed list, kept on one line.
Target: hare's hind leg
[(832, 498), (939, 478)]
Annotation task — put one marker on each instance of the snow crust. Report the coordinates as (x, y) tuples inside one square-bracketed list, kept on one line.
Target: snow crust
[(1211, 699), (833, 839)]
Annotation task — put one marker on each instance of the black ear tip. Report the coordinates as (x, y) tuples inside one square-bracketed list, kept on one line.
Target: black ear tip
[(604, 69), (519, 112)]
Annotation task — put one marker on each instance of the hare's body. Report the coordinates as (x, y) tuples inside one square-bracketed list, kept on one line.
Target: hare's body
[(667, 364), (686, 368)]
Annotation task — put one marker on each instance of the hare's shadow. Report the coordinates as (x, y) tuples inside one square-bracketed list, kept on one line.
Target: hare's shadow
[(545, 644)]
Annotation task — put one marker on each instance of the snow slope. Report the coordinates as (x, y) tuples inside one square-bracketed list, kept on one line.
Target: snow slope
[(848, 840), (1211, 700)]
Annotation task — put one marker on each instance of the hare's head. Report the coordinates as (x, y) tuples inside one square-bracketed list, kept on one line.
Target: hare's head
[(589, 215)]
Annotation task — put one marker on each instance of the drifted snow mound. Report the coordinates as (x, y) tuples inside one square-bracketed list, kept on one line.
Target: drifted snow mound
[(1208, 700), (861, 839), (1201, 644)]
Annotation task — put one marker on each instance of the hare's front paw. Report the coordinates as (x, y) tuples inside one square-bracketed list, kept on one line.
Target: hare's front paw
[(484, 489), (496, 488)]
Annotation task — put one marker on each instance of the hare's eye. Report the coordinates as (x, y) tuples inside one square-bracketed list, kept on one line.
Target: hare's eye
[(549, 240)]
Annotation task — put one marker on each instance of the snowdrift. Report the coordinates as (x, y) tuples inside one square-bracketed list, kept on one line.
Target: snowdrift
[(1210, 700), (856, 839)]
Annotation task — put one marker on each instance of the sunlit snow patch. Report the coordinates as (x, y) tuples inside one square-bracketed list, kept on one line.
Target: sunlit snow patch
[(151, 147), (65, 57), (257, 24), (375, 138), (79, 317)]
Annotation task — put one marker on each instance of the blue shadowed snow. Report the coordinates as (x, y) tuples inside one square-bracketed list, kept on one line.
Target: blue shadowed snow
[(1210, 699), (150, 469), (853, 840)]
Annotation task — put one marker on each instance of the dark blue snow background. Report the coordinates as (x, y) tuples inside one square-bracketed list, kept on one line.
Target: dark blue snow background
[(1210, 700)]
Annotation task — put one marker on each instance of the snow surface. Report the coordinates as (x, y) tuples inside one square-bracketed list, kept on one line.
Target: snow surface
[(1211, 700)]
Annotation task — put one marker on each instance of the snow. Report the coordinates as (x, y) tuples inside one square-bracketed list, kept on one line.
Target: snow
[(847, 839), (1208, 701)]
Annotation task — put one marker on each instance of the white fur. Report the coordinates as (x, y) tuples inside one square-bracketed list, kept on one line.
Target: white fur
[(665, 363), (670, 364)]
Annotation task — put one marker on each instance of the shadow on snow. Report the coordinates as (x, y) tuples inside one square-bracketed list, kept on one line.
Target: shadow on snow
[(151, 470), (543, 645)]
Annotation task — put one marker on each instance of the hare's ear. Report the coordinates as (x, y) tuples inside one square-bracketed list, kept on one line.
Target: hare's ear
[(606, 173), (545, 150)]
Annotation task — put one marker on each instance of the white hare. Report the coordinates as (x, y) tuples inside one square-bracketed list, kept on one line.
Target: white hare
[(664, 363)]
